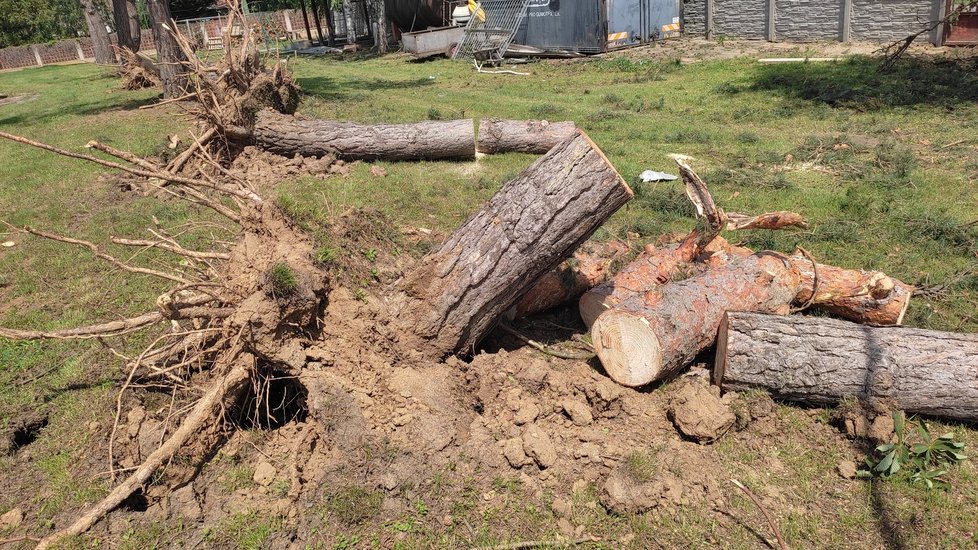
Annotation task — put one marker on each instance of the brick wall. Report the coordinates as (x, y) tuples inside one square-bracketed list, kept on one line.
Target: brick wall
[(882, 20), (808, 19), (740, 18)]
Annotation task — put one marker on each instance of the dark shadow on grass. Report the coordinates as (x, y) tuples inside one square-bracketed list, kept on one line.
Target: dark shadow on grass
[(329, 88), (43, 116), (857, 82)]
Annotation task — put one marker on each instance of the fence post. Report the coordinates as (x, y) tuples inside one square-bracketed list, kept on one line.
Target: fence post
[(37, 55), (846, 30), (772, 12), (203, 32), (288, 22), (81, 52), (709, 19), (937, 35)]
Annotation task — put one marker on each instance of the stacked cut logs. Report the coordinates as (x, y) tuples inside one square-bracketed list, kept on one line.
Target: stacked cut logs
[(664, 308)]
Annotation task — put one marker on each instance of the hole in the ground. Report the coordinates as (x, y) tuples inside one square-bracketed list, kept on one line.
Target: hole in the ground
[(276, 399), (136, 502), (27, 432)]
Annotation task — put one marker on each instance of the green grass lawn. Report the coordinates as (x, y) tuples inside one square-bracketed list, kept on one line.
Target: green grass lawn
[(884, 167)]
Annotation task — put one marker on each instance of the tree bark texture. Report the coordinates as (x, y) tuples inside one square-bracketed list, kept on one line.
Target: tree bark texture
[(523, 136), (589, 266), (379, 11), (821, 361), (533, 223), (289, 135), (862, 296), (168, 52), (652, 336), (126, 20), (104, 55), (654, 267)]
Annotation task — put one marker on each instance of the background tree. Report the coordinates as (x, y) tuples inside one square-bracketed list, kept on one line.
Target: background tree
[(126, 18), (98, 32), (168, 51), (33, 21)]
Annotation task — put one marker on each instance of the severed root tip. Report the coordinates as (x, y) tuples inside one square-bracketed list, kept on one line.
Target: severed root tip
[(627, 347)]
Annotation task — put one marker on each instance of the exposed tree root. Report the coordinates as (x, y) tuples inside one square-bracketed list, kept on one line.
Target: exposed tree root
[(207, 411)]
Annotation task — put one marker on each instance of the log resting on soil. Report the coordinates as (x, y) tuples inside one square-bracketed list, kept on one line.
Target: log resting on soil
[(654, 267), (533, 223), (651, 336), (289, 135), (523, 136), (589, 266), (821, 361), (862, 296)]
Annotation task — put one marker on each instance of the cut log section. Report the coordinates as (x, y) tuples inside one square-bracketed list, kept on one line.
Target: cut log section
[(533, 223), (589, 266), (654, 267), (821, 361), (522, 136), (869, 297), (290, 135), (652, 336)]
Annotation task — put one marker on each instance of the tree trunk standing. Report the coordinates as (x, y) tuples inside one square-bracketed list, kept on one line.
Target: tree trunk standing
[(533, 223), (524, 136), (104, 55), (135, 32), (380, 18), (289, 135), (351, 33), (123, 19), (822, 361), (168, 52), (652, 336)]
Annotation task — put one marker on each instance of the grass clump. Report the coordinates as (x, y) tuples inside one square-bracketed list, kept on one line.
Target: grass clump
[(353, 505), (641, 465), (282, 279)]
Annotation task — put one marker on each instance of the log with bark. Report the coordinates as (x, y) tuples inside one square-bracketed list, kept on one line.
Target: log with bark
[(653, 335), (654, 267), (589, 266), (533, 223), (523, 136), (290, 135), (870, 297), (822, 361)]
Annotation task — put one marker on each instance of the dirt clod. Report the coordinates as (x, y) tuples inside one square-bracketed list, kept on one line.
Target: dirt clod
[(847, 469), (578, 412), (264, 474), (699, 413), (11, 519), (881, 430), (538, 445)]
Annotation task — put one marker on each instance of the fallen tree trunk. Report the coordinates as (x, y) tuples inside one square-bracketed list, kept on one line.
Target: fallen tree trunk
[(868, 297), (533, 223), (523, 136), (655, 267), (652, 336), (289, 135), (822, 361), (589, 266)]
